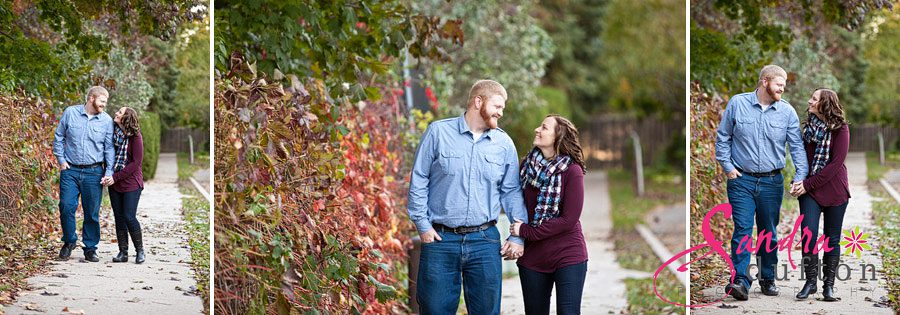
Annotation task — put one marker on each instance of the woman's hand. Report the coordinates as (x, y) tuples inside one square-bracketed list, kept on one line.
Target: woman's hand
[(514, 228), (797, 189)]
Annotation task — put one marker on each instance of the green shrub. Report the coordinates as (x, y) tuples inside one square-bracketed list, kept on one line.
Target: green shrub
[(151, 130)]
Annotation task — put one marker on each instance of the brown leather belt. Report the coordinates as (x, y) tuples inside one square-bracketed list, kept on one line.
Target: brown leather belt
[(463, 229)]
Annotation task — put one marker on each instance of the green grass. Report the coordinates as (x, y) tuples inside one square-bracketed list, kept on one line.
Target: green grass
[(186, 169), (195, 209), (887, 217), (661, 188), (874, 169)]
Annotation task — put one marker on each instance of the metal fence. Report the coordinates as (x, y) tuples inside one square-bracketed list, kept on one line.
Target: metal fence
[(176, 140), (606, 140), (865, 138)]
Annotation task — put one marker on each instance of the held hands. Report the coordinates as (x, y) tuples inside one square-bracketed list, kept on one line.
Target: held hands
[(797, 189), (511, 251), (107, 181)]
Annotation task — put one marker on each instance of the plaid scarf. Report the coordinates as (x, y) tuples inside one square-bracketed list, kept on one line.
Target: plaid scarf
[(818, 132), (120, 142), (545, 175)]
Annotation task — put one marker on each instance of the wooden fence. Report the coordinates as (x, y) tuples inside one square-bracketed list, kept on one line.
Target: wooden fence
[(176, 140), (606, 140), (865, 138)]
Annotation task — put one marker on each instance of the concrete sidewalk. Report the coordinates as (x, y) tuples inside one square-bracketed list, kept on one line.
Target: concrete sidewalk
[(604, 288), (859, 294), (164, 284)]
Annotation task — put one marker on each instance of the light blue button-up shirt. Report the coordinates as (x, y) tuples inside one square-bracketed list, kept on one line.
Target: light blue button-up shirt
[(459, 181), (81, 140), (753, 139)]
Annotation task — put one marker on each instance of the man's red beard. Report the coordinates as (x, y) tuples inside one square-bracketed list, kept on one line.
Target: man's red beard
[(487, 118), (776, 97)]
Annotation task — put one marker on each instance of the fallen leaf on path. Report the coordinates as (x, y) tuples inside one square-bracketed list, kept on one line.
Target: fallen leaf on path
[(33, 307), (134, 300), (45, 293), (72, 312), (147, 288), (727, 306)]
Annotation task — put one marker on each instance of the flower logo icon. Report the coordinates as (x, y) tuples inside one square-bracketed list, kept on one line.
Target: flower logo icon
[(855, 242)]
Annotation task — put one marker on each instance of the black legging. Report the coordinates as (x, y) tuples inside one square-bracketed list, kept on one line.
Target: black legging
[(124, 205), (834, 219)]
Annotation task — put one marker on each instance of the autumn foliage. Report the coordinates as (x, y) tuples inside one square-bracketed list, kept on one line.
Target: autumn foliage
[(28, 189), (707, 188), (309, 209)]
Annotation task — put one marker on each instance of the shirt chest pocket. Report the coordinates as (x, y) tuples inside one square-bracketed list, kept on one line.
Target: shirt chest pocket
[(97, 132), (776, 130), (493, 168), (744, 128), (451, 162)]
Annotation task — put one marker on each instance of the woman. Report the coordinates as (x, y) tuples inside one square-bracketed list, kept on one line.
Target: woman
[(825, 192), (128, 182), (552, 177)]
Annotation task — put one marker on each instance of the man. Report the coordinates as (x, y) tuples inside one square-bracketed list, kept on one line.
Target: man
[(750, 146), (465, 169), (84, 149)]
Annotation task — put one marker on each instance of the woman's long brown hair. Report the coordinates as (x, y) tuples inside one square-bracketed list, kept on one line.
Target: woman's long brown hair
[(566, 141), (830, 108), (130, 123)]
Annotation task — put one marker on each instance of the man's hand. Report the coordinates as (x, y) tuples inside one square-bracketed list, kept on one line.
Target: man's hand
[(514, 228), (64, 166), (797, 189), (511, 251), (734, 174), (107, 181), (430, 236)]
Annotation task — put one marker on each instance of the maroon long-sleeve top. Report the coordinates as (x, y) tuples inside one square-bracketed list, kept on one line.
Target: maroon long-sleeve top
[(130, 178), (830, 187), (558, 242)]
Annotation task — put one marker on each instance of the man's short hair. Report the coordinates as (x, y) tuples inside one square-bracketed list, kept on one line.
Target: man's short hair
[(486, 89), (769, 72), (94, 91)]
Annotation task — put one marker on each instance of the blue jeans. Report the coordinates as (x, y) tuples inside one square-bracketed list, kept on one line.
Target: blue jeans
[(469, 260), (756, 198), (84, 183), (834, 219), (537, 286)]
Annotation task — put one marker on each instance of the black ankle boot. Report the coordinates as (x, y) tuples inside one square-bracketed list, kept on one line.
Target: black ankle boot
[(122, 256), (122, 238), (138, 246), (811, 270), (829, 269)]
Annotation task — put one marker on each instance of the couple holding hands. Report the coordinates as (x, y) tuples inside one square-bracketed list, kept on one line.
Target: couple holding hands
[(466, 169), (94, 150), (750, 146)]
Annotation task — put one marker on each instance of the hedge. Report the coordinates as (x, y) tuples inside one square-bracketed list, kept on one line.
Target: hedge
[(151, 129)]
